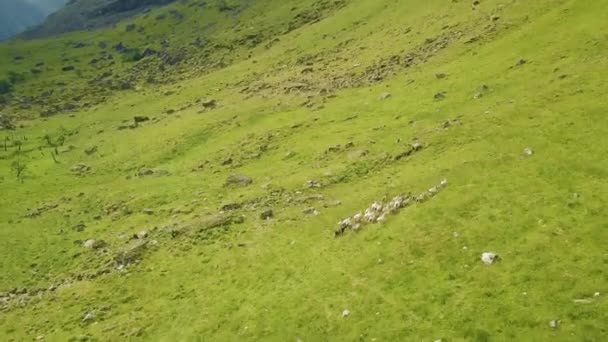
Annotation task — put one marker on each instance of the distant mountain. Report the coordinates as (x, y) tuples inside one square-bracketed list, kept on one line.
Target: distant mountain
[(18, 15), (88, 14), (48, 6)]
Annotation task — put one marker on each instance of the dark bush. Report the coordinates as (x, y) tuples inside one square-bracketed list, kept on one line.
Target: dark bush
[(15, 77), (5, 87), (132, 55)]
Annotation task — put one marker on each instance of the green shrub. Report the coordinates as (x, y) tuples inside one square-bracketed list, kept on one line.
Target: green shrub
[(15, 77), (132, 55), (5, 87)]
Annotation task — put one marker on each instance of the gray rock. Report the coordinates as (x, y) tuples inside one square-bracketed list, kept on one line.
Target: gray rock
[(88, 317), (79, 227), (310, 211), (489, 258), (80, 168), (313, 184), (238, 180), (141, 235), (131, 253), (143, 172), (91, 150), (528, 152), (94, 244), (267, 214), (332, 204), (217, 220), (440, 95), (140, 118), (231, 206), (554, 324), (209, 103), (385, 96)]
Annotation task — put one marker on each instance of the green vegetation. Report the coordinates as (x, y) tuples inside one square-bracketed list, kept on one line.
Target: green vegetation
[(194, 194), (5, 86)]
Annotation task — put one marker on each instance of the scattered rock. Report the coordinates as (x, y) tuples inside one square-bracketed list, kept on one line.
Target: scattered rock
[(333, 149), (356, 154), (131, 253), (80, 168), (489, 258), (238, 180), (267, 214), (528, 152), (385, 96), (218, 220), (88, 317), (310, 211), (231, 206), (227, 161), (332, 204), (345, 313), (143, 172), (440, 95), (582, 301), (209, 103), (94, 244), (481, 92), (91, 150), (147, 211), (313, 184), (554, 324), (379, 211), (141, 235), (414, 147), (139, 119), (521, 62), (441, 76), (79, 227)]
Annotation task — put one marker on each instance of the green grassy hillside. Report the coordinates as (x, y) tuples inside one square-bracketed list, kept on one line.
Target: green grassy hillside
[(190, 186)]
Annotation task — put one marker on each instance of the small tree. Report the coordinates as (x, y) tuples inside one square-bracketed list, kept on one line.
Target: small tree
[(19, 167)]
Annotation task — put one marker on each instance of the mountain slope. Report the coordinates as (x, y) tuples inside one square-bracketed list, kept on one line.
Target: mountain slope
[(209, 114)]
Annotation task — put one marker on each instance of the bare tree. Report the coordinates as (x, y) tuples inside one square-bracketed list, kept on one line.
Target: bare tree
[(19, 167)]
